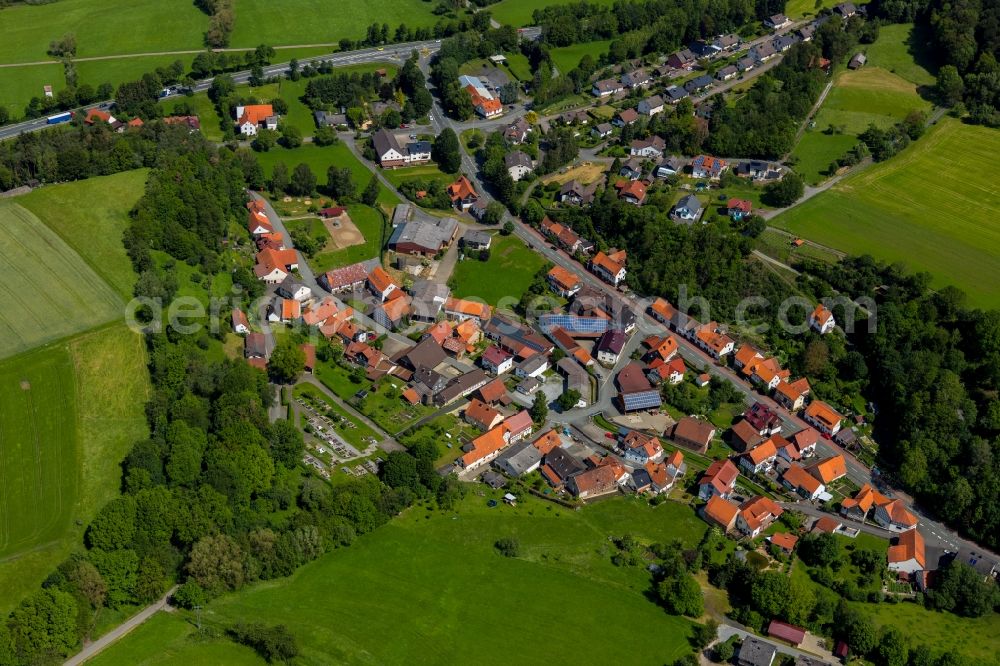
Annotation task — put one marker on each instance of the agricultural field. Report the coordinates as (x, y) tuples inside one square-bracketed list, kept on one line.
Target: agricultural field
[(19, 84), (566, 58), (320, 159), (49, 292), (110, 27), (932, 207), (97, 236), (518, 13), (451, 609), (509, 257), (304, 22), (71, 412)]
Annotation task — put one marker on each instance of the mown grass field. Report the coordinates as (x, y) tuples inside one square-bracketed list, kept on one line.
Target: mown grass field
[(518, 13), (19, 84), (566, 58), (429, 588), (883, 93), (508, 273), (96, 235), (870, 95), (903, 50), (71, 412), (795, 9), (109, 27), (48, 292), (815, 152), (320, 160), (315, 21), (934, 207)]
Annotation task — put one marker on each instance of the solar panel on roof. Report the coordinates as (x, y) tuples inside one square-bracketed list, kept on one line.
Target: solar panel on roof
[(573, 323), (643, 400)]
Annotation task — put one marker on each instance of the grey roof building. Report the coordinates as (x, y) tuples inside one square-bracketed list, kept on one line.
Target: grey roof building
[(477, 240), (417, 232), (756, 652), (519, 459)]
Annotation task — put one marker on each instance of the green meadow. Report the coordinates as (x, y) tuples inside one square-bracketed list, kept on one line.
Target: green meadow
[(509, 258), (429, 588)]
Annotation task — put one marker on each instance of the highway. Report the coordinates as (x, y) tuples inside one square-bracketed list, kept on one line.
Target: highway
[(392, 53), (397, 53)]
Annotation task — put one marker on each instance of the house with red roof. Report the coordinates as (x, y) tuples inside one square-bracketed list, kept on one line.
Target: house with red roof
[(632, 191), (484, 448), (823, 417), (481, 415), (894, 516), (381, 284), (241, 326), (739, 208), (720, 511), (907, 555), (253, 117), (462, 194), (788, 633), (756, 515), (797, 479), (519, 425), (496, 360), (608, 269), (719, 479), (821, 320)]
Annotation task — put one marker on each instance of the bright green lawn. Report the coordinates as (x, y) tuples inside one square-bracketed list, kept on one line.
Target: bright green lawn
[(320, 160), (96, 235), (817, 150), (566, 58), (305, 22), (429, 588), (19, 84), (933, 207), (795, 9), (518, 13), (869, 95), (49, 292), (106, 28), (63, 433), (901, 49), (507, 275)]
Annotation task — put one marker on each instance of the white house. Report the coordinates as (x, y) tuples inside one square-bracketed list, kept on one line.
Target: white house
[(688, 208), (821, 320), (496, 360), (650, 106), (518, 165)]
